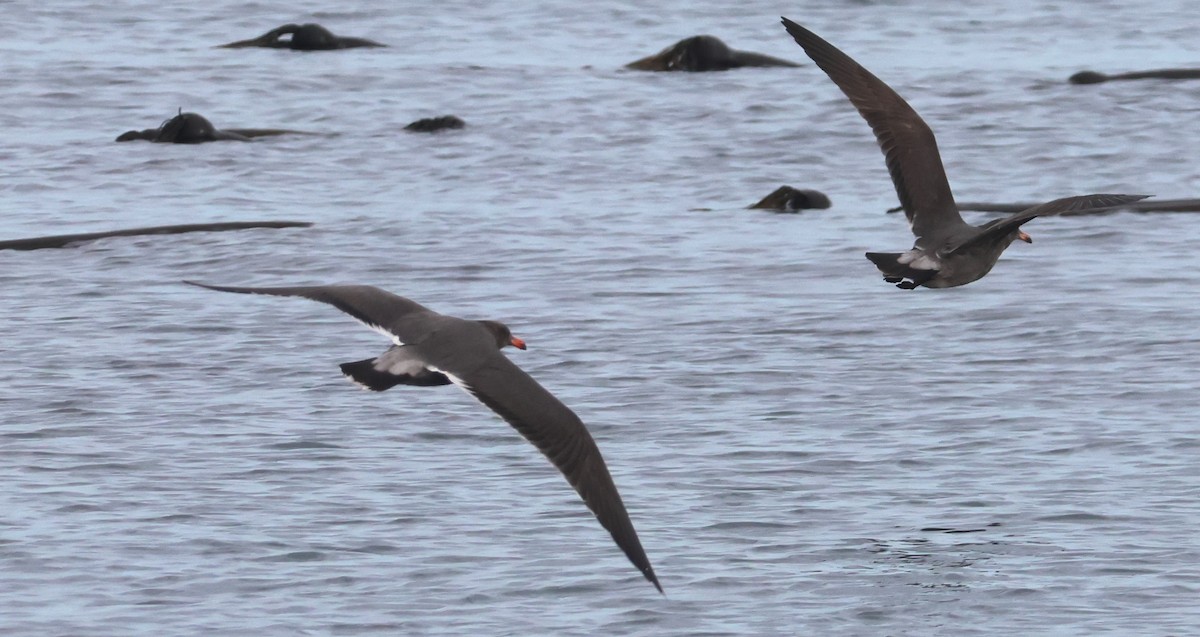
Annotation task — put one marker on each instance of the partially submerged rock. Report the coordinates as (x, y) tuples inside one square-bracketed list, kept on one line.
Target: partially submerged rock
[(193, 128), (703, 53), (434, 124), (788, 199), (304, 37), (1095, 77)]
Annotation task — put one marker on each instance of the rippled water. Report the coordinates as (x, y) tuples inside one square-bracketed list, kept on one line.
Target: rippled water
[(804, 449)]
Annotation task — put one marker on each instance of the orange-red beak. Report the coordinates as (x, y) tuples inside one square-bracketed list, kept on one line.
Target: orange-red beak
[(517, 343), (1024, 237)]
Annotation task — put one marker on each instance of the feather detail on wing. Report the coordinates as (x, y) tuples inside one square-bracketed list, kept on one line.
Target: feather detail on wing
[(908, 144), (380, 310), (562, 437), (998, 229)]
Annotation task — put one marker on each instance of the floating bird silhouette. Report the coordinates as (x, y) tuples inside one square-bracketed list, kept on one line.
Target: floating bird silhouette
[(431, 349), (948, 251)]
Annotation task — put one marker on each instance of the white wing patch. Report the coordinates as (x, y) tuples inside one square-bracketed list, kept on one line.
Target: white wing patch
[(919, 260), (382, 330), (399, 361), (460, 383), (454, 379)]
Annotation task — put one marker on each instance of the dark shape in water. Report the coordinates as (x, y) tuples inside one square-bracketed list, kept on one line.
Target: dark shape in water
[(788, 199), (305, 37), (703, 53), (192, 128), (948, 251), (1095, 77), (432, 349), (434, 124), (65, 240)]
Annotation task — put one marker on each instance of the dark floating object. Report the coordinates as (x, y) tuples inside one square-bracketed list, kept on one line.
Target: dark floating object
[(1095, 77), (305, 37), (948, 251), (434, 124), (703, 53), (1158, 205), (64, 240), (788, 199), (192, 128), (432, 349)]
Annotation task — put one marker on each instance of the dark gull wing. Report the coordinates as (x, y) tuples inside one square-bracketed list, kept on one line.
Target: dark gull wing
[(907, 142), (1002, 227), (400, 319), (559, 434)]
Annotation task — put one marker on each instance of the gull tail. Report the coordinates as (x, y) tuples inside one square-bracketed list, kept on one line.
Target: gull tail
[(367, 375), (902, 274)]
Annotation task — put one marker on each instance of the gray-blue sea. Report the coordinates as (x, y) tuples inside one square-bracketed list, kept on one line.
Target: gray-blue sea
[(803, 448)]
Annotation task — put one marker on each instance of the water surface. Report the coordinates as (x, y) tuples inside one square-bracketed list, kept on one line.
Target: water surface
[(803, 448)]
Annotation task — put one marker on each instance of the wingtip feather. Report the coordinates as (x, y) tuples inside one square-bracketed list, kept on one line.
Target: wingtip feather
[(654, 580)]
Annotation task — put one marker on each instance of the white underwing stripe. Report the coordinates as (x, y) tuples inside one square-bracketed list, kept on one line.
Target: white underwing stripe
[(391, 336), (461, 384)]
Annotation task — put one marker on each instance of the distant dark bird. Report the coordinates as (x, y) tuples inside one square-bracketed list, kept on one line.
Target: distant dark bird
[(788, 199), (948, 251), (1094, 77), (305, 37), (192, 128), (435, 124), (703, 53), (431, 349)]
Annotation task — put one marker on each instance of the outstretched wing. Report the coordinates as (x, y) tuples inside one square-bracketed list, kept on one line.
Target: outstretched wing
[(907, 142), (559, 434), (1000, 228), (395, 316)]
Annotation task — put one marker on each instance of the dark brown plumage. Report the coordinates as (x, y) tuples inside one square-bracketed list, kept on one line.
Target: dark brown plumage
[(948, 251), (435, 349)]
